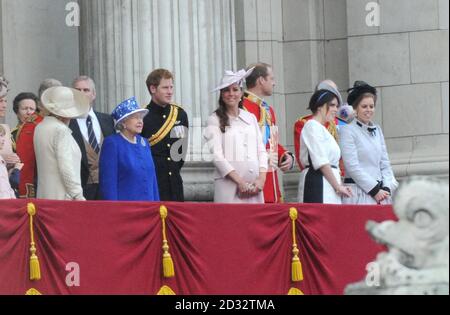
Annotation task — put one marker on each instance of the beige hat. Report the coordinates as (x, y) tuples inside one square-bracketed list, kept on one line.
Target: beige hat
[(65, 102), (231, 78)]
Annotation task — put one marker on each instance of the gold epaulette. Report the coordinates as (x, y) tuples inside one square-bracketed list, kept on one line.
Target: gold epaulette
[(305, 118), (253, 98), (265, 118), (177, 105)]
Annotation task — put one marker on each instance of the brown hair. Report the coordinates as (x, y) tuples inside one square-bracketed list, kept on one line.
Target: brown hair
[(24, 96), (221, 112), (363, 96), (321, 98), (155, 78), (261, 70)]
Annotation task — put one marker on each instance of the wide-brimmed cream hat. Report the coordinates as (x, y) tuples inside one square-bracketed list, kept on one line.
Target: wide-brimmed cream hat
[(231, 78), (65, 102)]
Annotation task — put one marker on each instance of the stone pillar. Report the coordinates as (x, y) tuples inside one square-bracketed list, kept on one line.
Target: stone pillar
[(1, 39), (122, 41)]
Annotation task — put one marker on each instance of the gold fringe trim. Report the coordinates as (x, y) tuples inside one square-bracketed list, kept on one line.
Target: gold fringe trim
[(297, 270), (165, 290), (168, 267), (33, 292), (35, 269), (295, 291)]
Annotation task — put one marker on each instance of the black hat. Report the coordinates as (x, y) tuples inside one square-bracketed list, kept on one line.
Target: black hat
[(359, 88)]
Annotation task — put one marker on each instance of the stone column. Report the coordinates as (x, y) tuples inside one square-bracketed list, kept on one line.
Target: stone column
[(1, 39), (122, 41)]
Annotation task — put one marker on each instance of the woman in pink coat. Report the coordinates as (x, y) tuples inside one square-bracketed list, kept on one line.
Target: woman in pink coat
[(235, 141)]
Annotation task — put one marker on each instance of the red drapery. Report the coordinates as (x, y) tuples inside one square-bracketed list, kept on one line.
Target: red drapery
[(216, 249)]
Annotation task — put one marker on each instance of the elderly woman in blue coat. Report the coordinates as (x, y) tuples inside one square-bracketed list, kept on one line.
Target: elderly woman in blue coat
[(367, 167), (127, 171)]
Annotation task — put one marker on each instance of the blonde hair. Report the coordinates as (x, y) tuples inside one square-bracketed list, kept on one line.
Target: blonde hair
[(2, 131)]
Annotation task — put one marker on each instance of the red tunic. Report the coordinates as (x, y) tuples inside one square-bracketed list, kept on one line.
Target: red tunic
[(272, 191), (25, 150)]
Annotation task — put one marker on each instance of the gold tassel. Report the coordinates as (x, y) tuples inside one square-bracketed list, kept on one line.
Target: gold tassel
[(295, 291), (165, 290), (35, 269), (297, 270), (33, 292), (168, 267)]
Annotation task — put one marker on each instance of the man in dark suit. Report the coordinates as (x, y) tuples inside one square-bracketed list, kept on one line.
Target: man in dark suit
[(89, 133), (166, 128)]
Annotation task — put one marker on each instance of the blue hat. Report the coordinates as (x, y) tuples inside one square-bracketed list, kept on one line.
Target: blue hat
[(126, 109)]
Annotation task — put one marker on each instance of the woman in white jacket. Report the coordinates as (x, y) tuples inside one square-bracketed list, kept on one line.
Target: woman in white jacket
[(367, 167), (235, 141), (58, 156)]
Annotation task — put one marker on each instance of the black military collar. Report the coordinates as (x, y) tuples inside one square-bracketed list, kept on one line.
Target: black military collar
[(159, 109)]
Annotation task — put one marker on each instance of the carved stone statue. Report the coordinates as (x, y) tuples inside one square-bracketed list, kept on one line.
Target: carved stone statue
[(417, 262)]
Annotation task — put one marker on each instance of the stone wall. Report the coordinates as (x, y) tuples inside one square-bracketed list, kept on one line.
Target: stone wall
[(36, 44), (1, 39), (406, 57)]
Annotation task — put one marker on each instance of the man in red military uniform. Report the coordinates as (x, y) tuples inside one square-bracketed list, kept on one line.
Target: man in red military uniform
[(332, 127), (260, 84)]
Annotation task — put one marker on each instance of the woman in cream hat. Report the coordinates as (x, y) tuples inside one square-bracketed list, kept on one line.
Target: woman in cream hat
[(235, 140), (58, 156)]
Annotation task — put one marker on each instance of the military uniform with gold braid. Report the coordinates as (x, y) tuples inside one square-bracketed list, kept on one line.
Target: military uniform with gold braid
[(25, 150), (265, 115), (166, 128)]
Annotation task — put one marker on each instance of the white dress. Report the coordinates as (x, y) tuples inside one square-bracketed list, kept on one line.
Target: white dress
[(239, 149), (366, 161), (6, 191), (318, 148)]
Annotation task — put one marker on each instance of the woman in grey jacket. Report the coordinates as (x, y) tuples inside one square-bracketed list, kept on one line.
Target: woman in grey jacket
[(367, 167)]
